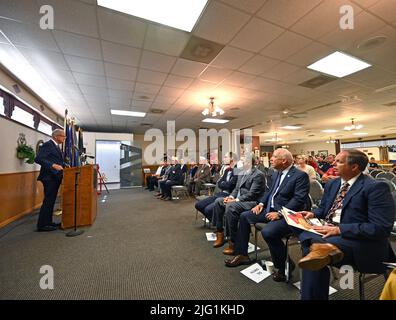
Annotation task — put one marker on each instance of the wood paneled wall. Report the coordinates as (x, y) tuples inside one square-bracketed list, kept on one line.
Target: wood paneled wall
[(20, 194)]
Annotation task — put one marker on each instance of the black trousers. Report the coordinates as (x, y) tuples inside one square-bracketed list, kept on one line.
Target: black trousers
[(51, 187)]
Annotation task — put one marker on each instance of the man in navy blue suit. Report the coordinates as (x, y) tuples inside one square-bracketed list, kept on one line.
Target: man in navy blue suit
[(359, 212), (226, 184), (50, 158), (289, 188)]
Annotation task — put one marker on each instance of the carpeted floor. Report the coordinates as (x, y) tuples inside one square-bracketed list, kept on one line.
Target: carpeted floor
[(138, 248)]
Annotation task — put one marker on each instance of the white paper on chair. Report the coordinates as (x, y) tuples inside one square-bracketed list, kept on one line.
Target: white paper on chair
[(251, 248), (211, 236), (331, 289), (255, 272)]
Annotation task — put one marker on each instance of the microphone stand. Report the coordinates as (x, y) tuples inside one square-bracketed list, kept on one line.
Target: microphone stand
[(75, 232)]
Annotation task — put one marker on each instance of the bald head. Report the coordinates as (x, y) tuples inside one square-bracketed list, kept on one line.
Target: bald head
[(281, 159)]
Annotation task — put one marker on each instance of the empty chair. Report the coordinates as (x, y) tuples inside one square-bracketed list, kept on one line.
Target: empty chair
[(392, 186), (374, 172), (315, 192), (386, 175)]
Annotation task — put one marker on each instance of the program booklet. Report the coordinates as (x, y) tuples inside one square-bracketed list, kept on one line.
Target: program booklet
[(296, 219)]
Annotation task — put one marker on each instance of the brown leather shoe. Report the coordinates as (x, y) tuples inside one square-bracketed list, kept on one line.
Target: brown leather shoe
[(321, 255), (219, 240), (230, 249), (237, 261)]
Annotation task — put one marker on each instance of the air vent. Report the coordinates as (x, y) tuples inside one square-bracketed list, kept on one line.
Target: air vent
[(263, 131), (317, 81), (311, 135), (146, 124), (201, 50), (390, 104), (372, 43), (298, 115), (235, 109), (157, 111), (144, 98)]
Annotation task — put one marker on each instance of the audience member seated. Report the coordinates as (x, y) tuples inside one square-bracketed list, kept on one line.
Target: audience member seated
[(290, 189), (359, 211), (303, 166), (183, 167), (174, 178), (323, 165), (250, 187), (372, 164), (312, 163), (202, 175), (191, 172), (226, 184), (164, 178), (329, 175), (152, 181)]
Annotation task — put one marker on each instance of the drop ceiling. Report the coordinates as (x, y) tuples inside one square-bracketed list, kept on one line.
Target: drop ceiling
[(98, 59)]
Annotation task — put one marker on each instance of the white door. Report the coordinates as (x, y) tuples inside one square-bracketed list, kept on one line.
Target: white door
[(108, 155)]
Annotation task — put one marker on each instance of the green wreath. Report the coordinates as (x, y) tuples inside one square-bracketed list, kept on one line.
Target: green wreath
[(26, 152)]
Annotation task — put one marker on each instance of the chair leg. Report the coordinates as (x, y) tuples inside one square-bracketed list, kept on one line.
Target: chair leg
[(255, 242), (361, 286), (287, 264), (196, 215)]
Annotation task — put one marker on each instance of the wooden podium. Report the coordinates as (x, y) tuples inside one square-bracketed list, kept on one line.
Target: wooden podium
[(86, 195)]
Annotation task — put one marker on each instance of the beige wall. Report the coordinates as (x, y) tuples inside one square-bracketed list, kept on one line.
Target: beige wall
[(305, 148), (90, 138)]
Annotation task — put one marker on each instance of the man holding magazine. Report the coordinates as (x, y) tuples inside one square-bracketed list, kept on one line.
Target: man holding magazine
[(358, 212)]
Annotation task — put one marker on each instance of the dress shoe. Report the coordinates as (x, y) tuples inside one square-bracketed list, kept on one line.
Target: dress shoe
[(230, 249), (321, 255), (279, 276), (56, 224), (219, 240), (47, 228), (237, 261), (166, 199)]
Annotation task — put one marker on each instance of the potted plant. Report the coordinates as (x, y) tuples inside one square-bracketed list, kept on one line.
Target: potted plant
[(26, 152)]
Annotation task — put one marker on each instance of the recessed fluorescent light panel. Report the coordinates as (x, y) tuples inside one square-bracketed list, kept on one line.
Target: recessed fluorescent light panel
[(179, 14), (215, 120), (291, 127), (339, 64), (128, 113)]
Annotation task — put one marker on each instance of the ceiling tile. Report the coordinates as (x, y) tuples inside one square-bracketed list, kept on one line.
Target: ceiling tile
[(82, 78), (310, 54), (365, 3), (322, 19), (256, 35), (165, 40), (120, 93), (238, 79), (147, 88), (231, 58), (170, 92), (300, 76), (258, 65), (188, 68), (250, 6), (220, 30), (280, 71), (120, 71), (156, 61), (84, 65), (152, 77), (120, 54), (386, 9), (120, 28), (215, 74), (78, 45), (178, 82), (118, 84), (284, 46), (76, 17), (30, 36), (286, 12), (364, 25), (96, 92), (119, 102), (44, 58), (24, 11)]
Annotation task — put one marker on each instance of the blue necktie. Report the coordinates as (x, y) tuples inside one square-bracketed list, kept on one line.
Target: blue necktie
[(273, 191)]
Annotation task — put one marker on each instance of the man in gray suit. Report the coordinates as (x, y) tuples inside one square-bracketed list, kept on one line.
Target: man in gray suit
[(249, 188)]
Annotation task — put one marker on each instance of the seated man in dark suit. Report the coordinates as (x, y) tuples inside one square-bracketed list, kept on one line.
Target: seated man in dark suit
[(360, 214), (152, 180), (250, 187), (290, 189), (226, 184), (50, 158), (202, 175), (174, 178)]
